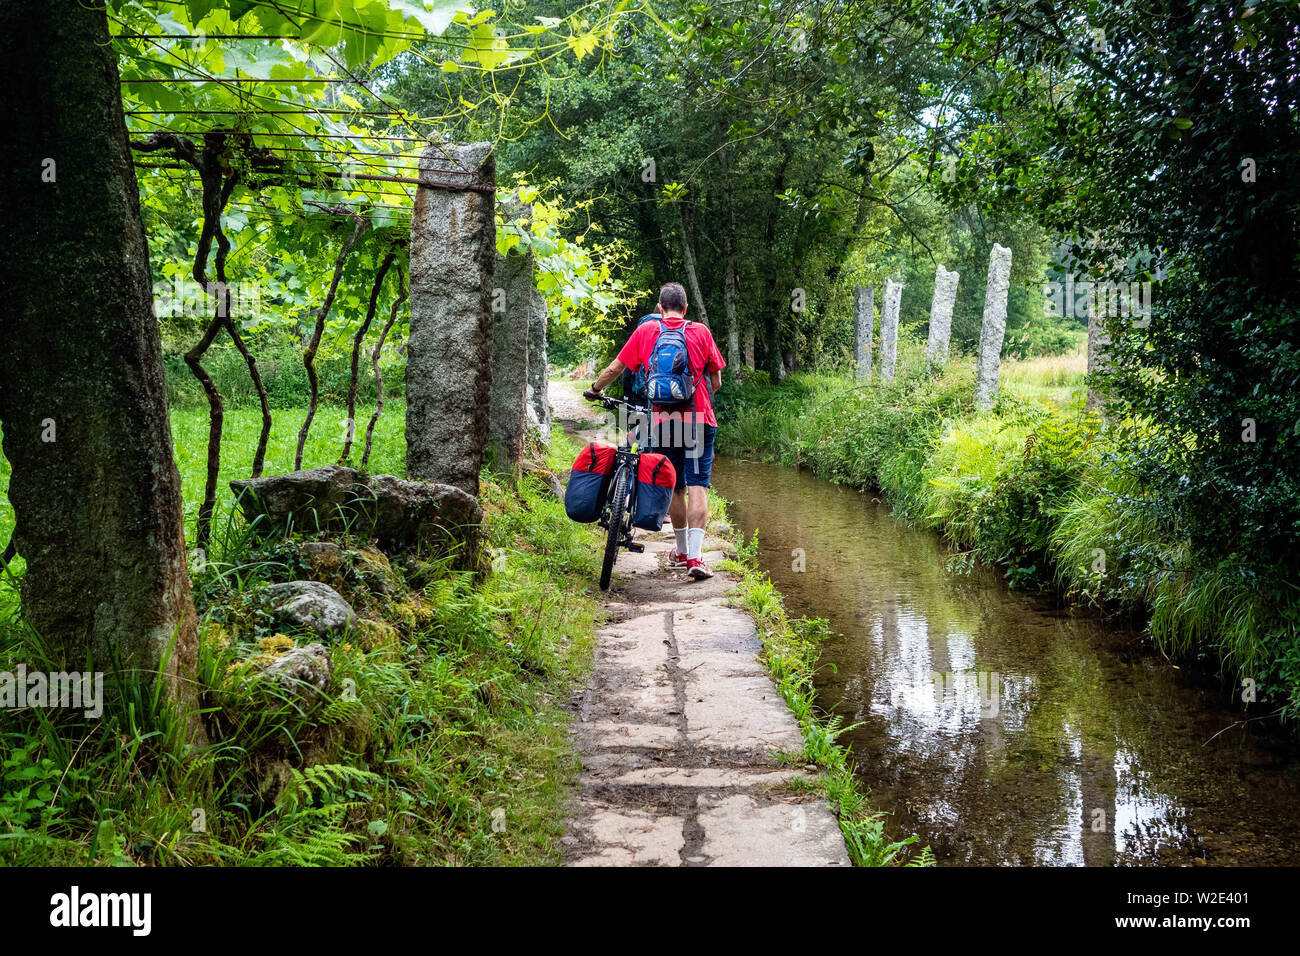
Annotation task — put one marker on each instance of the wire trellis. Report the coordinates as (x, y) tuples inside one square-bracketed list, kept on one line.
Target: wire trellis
[(359, 166)]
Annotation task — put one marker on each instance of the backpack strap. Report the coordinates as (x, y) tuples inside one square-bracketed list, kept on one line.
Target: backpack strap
[(704, 373)]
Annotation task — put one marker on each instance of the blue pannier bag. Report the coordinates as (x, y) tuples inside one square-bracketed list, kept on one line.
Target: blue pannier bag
[(668, 370), (584, 498), (655, 479)]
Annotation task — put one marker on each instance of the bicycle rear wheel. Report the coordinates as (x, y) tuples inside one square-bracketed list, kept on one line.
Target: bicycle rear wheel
[(614, 535)]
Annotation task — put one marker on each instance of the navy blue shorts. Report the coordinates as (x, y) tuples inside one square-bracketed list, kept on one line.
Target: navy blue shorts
[(689, 446)]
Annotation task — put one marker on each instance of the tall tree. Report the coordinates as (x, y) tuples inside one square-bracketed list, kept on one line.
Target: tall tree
[(1176, 131), (95, 489)]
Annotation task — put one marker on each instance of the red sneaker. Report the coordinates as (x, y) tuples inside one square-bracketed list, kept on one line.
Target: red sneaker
[(698, 569), (676, 560)]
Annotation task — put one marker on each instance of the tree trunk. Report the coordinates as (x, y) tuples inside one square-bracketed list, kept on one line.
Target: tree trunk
[(95, 489), (652, 232), (374, 358), (692, 277), (776, 304), (361, 224), (730, 277), (860, 218)]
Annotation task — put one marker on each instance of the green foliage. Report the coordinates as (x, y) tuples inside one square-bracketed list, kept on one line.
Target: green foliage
[(446, 745), (577, 277), (1176, 133), (1003, 504), (28, 802)]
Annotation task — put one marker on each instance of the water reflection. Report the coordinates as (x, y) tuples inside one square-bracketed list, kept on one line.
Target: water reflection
[(1002, 730)]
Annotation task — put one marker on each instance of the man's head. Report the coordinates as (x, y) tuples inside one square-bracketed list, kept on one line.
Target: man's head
[(672, 300)]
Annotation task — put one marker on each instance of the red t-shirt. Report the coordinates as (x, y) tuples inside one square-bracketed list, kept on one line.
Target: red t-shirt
[(701, 352)]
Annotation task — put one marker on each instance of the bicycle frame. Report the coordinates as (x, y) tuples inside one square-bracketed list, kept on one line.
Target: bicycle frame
[(627, 457)]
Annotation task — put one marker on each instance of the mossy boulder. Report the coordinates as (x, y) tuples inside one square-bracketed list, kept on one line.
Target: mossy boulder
[(373, 568), (373, 635), (305, 669), (309, 604), (326, 563), (400, 515)]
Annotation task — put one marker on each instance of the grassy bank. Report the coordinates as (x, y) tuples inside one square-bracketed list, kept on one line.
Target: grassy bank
[(441, 739), (1033, 486)]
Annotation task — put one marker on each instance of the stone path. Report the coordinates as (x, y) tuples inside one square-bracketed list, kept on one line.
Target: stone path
[(679, 725)]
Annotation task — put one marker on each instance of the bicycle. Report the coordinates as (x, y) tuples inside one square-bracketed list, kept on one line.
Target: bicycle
[(620, 504)]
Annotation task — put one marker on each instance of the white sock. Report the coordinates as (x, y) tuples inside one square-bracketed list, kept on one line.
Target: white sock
[(695, 542), (681, 539)]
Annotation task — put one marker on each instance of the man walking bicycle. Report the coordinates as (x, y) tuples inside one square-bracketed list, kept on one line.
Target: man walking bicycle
[(683, 369)]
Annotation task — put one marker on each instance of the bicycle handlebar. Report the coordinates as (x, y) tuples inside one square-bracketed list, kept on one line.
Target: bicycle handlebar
[(607, 402)]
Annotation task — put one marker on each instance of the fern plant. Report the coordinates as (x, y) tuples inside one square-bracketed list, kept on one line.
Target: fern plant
[(330, 783)]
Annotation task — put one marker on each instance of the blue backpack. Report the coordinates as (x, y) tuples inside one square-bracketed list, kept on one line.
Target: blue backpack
[(668, 370)]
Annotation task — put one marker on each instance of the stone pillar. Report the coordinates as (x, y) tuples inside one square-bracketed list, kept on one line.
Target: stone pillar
[(539, 376), (512, 299), (945, 296), (864, 319), (889, 328), (994, 326), (1098, 341), (448, 370)]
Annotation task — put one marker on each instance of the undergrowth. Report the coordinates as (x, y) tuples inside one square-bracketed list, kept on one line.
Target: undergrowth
[(440, 738)]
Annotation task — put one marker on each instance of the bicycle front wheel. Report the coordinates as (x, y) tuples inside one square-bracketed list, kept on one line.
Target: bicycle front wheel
[(614, 535)]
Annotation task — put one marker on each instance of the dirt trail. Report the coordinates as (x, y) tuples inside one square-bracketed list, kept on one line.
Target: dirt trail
[(679, 725)]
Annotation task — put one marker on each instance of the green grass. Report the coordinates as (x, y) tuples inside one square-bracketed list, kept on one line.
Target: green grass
[(1051, 378), (241, 428), (442, 739)]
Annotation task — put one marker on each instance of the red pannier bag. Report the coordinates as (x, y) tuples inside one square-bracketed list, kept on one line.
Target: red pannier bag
[(655, 479), (584, 498)]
